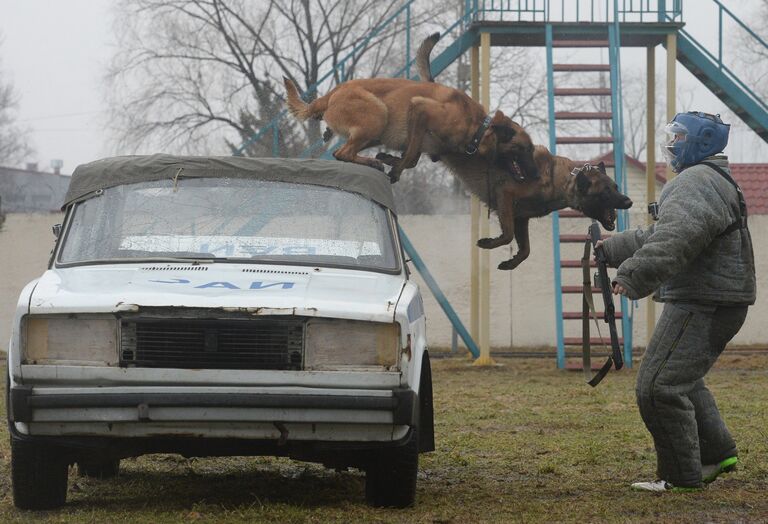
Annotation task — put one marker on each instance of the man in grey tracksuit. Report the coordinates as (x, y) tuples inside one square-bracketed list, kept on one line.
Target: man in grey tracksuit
[(698, 259)]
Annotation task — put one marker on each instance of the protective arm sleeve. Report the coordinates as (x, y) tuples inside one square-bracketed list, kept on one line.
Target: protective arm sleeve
[(623, 245), (692, 213)]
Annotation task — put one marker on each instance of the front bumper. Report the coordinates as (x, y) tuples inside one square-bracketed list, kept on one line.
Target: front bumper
[(280, 413)]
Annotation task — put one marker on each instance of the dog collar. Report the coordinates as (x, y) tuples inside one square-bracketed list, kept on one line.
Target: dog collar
[(472, 147)]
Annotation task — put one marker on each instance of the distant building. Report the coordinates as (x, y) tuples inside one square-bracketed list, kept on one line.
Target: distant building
[(31, 191), (752, 178)]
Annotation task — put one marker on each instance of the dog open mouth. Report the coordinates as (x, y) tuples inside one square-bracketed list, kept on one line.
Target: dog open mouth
[(608, 220), (514, 169)]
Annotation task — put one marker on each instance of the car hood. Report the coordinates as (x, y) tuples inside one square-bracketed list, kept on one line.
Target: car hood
[(260, 290)]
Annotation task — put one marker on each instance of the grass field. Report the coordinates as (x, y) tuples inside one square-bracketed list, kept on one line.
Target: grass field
[(520, 442)]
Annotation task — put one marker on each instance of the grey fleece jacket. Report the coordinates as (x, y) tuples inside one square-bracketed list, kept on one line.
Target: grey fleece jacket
[(684, 256)]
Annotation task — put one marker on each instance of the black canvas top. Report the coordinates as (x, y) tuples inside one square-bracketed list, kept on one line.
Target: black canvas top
[(121, 170)]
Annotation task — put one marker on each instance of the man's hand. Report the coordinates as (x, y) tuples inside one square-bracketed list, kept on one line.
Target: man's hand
[(618, 289)]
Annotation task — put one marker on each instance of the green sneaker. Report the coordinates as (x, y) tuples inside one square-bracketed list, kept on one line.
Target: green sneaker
[(709, 472)]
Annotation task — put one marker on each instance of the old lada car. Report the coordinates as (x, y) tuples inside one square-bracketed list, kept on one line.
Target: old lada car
[(212, 306)]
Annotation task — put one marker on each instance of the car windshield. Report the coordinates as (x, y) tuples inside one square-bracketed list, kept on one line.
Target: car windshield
[(225, 219)]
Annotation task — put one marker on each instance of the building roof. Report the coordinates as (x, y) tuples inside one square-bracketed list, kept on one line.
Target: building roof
[(31, 191), (752, 178)]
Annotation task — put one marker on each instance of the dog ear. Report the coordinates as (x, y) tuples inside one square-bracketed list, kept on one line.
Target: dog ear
[(582, 182), (601, 167), (505, 133)]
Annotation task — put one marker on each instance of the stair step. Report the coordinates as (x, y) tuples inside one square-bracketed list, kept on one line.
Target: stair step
[(580, 43), (577, 290), (577, 238), (583, 91), (581, 67), (570, 115), (575, 263), (576, 315), (584, 140), (595, 341), (570, 213)]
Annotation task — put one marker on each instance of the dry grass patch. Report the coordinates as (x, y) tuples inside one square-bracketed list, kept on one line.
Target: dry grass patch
[(518, 442)]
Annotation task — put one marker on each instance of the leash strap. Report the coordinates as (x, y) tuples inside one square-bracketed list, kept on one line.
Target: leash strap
[(587, 307), (472, 147)]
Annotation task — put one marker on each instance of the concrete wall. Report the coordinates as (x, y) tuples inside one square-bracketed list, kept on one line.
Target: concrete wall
[(26, 242), (522, 304)]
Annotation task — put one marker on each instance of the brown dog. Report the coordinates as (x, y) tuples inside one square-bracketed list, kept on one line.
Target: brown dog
[(562, 183), (415, 117)]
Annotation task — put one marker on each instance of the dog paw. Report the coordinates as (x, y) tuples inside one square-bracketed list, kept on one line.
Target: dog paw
[(512, 263), (327, 135), (388, 159), (486, 243), (394, 175)]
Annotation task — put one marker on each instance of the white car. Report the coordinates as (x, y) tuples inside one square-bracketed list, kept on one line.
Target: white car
[(214, 306)]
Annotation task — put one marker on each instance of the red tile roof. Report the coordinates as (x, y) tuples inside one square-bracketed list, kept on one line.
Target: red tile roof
[(753, 179)]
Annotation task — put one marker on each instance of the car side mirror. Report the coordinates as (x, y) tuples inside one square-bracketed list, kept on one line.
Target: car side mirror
[(56, 230)]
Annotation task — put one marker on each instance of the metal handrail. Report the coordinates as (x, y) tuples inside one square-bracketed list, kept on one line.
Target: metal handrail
[(585, 10), (731, 75), (718, 60)]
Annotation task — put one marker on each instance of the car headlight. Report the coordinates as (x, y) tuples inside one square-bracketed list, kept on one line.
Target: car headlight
[(348, 344), (76, 339)]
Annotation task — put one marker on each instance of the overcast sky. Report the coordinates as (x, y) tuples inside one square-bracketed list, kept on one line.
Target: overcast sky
[(56, 51)]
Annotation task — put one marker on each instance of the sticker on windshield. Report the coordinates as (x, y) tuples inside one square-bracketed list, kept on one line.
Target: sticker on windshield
[(249, 247)]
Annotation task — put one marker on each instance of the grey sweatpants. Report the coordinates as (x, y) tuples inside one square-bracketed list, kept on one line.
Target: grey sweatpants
[(675, 405)]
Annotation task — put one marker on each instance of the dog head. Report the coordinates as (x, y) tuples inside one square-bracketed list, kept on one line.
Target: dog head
[(512, 147), (598, 196)]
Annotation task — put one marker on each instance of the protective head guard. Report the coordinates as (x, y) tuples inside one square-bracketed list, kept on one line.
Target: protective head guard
[(693, 136)]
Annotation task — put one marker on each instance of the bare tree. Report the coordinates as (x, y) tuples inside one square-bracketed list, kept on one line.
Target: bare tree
[(192, 75), (14, 139), (752, 54)]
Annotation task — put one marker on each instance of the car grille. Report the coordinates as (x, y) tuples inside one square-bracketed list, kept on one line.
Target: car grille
[(221, 344)]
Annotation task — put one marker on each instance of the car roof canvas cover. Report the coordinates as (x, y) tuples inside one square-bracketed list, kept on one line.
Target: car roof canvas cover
[(115, 171)]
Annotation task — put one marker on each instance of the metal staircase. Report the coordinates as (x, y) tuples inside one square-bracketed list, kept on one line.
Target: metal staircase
[(567, 272), (606, 24)]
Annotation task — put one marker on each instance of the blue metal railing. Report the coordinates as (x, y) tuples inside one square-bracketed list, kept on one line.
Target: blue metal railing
[(718, 60), (594, 11)]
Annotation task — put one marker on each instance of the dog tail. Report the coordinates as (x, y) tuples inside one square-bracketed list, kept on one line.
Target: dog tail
[(301, 109), (422, 57)]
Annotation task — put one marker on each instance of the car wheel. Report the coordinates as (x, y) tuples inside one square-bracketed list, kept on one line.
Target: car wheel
[(390, 478), (38, 474), (99, 469)]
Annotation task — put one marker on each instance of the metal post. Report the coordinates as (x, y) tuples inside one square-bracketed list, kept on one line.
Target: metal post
[(474, 317), (650, 171), (555, 215), (485, 274), (671, 84)]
